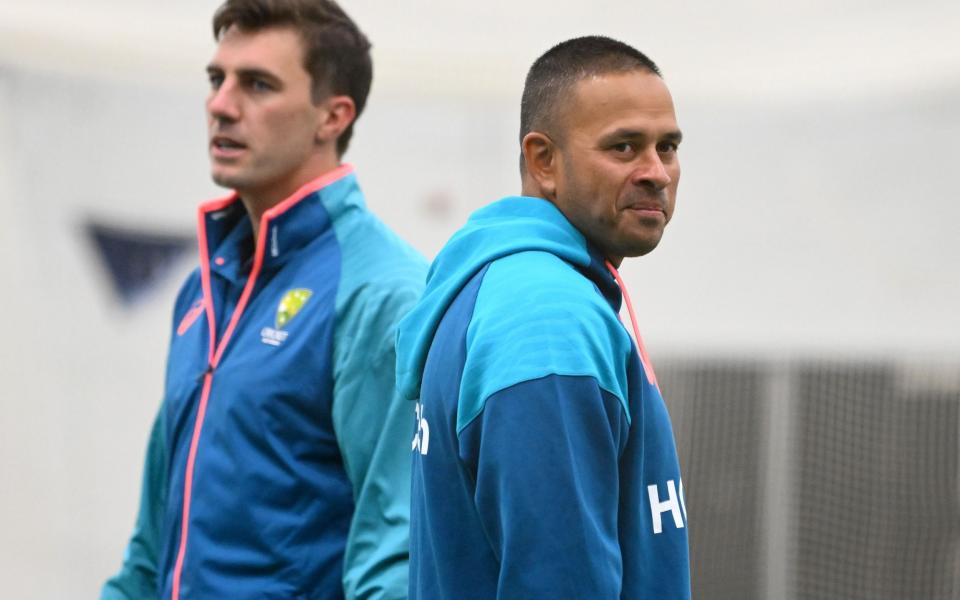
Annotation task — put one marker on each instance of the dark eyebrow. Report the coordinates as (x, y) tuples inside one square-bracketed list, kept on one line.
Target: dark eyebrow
[(246, 73), (675, 136)]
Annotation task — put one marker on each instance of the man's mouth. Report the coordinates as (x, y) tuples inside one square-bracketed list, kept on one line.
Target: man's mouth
[(225, 148), (647, 208), (647, 212), (647, 204), (225, 143)]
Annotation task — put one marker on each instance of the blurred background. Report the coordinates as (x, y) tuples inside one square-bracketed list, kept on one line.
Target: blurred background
[(802, 310)]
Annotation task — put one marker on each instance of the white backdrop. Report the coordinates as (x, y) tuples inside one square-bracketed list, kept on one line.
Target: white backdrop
[(817, 211)]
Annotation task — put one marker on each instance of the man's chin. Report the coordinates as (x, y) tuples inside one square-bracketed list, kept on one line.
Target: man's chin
[(226, 180), (642, 247)]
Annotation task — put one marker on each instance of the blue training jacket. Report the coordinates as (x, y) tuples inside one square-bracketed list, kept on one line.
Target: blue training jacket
[(277, 466), (544, 463)]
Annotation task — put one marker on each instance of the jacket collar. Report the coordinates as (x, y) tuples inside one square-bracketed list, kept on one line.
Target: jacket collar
[(226, 235)]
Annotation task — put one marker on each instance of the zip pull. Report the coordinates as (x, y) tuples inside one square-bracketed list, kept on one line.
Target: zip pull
[(644, 358), (207, 371)]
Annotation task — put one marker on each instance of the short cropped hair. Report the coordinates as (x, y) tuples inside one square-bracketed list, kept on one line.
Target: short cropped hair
[(554, 74), (336, 53)]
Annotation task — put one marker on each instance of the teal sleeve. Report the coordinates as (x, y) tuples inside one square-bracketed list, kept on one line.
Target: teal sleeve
[(374, 427), (137, 578)]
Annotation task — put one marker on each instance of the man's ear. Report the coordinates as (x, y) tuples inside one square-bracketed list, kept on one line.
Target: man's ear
[(336, 114), (540, 161)]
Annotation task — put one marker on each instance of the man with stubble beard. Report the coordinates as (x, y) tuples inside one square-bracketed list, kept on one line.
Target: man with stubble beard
[(277, 464), (545, 464)]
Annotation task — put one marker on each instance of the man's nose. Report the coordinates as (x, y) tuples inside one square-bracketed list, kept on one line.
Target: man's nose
[(222, 103), (651, 171)]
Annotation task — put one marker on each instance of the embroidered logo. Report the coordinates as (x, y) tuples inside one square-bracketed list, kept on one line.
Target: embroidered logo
[(290, 305)]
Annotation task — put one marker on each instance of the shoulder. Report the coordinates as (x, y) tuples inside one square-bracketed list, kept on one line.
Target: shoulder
[(190, 292), (381, 278), (537, 293), (547, 281), (375, 260), (536, 315)]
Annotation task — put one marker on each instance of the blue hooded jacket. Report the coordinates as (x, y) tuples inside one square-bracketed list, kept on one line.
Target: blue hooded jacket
[(544, 461)]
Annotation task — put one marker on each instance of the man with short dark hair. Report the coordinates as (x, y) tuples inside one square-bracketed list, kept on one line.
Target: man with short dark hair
[(544, 463), (277, 464)]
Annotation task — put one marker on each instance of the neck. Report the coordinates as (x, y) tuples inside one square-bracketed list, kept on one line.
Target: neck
[(256, 205), (259, 201), (530, 188)]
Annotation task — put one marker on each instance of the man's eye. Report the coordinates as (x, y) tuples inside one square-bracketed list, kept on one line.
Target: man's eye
[(666, 147), (215, 81), (622, 148), (259, 85)]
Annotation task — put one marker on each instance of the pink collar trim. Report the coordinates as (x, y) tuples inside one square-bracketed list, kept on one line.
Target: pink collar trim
[(644, 357), (305, 190)]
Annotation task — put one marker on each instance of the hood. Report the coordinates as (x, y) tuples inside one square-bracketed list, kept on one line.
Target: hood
[(508, 226)]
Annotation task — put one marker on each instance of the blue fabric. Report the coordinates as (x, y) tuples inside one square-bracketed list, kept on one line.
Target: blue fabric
[(382, 277), (553, 321), (302, 456), (506, 227), (544, 464), (552, 484)]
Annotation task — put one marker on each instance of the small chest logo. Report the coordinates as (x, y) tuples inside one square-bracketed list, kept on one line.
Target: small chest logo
[(290, 305)]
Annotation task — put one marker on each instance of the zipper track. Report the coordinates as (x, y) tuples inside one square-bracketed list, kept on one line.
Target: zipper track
[(188, 482)]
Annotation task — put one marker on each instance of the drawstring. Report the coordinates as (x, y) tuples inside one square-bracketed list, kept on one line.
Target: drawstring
[(644, 358)]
